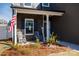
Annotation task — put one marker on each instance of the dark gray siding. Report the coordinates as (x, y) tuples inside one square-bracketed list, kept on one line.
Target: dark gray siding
[(50, 8), (38, 23), (67, 26)]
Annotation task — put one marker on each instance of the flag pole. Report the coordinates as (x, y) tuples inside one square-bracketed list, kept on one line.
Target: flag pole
[(13, 27)]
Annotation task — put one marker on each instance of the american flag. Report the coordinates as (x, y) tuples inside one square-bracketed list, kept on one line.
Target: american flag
[(12, 23)]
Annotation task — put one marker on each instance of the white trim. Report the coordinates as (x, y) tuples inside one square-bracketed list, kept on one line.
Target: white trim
[(38, 12), (25, 26), (30, 6), (45, 5)]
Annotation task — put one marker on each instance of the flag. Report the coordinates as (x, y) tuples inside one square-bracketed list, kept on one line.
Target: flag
[(12, 23)]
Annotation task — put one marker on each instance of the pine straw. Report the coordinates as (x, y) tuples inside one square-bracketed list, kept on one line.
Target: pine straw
[(28, 50)]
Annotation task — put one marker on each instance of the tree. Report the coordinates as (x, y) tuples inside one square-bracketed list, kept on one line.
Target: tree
[(9, 23)]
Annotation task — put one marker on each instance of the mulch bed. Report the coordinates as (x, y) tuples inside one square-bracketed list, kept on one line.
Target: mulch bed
[(28, 50)]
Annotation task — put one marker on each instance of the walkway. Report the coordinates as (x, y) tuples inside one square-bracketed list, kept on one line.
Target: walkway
[(70, 45)]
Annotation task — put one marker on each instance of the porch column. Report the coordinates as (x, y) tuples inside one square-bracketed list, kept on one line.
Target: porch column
[(47, 26), (15, 41), (15, 28)]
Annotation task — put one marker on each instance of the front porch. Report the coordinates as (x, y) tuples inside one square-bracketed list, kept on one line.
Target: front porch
[(28, 24), (30, 21)]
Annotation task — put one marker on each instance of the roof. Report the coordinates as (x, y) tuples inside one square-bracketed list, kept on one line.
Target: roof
[(37, 11)]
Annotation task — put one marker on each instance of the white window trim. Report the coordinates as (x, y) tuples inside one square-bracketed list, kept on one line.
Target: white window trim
[(45, 5), (27, 6), (25, 26)]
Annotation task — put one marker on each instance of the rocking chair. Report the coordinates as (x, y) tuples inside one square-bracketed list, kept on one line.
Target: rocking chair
[(21, 37)]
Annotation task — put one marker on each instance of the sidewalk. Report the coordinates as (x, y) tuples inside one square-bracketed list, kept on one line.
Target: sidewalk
[(70, 45)]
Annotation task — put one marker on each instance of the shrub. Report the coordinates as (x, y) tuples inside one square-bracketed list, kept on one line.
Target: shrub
[(25, 51), (21, 49), (37, 40), (52, 39), (15, 46), (36, 45)]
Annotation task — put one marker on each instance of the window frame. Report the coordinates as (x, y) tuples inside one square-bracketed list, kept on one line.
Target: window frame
[(45, 5), (27, 6), (25, 27)]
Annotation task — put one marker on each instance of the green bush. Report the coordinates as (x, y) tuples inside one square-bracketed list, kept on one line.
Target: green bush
[(52, 39), (37, 43), (14, 46), (37, 40), (26, 51)]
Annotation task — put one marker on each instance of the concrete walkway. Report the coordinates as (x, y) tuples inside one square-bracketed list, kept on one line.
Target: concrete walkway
[(70, 45)]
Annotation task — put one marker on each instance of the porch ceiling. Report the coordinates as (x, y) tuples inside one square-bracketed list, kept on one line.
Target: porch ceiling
[(39, 12)]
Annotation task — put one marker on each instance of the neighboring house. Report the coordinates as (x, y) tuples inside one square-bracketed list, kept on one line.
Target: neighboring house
[(4, 34), (31, 18)]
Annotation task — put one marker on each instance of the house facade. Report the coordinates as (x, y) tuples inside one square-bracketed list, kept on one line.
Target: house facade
[(33, 21)]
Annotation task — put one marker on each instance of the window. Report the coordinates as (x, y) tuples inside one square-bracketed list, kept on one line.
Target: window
[(27, 5), (45, 4), (29, 26)]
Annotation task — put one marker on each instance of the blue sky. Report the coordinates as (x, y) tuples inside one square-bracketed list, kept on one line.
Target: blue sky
[(5, 11)]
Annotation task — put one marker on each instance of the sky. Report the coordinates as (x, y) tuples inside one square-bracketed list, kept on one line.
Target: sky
[(5, 11)]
